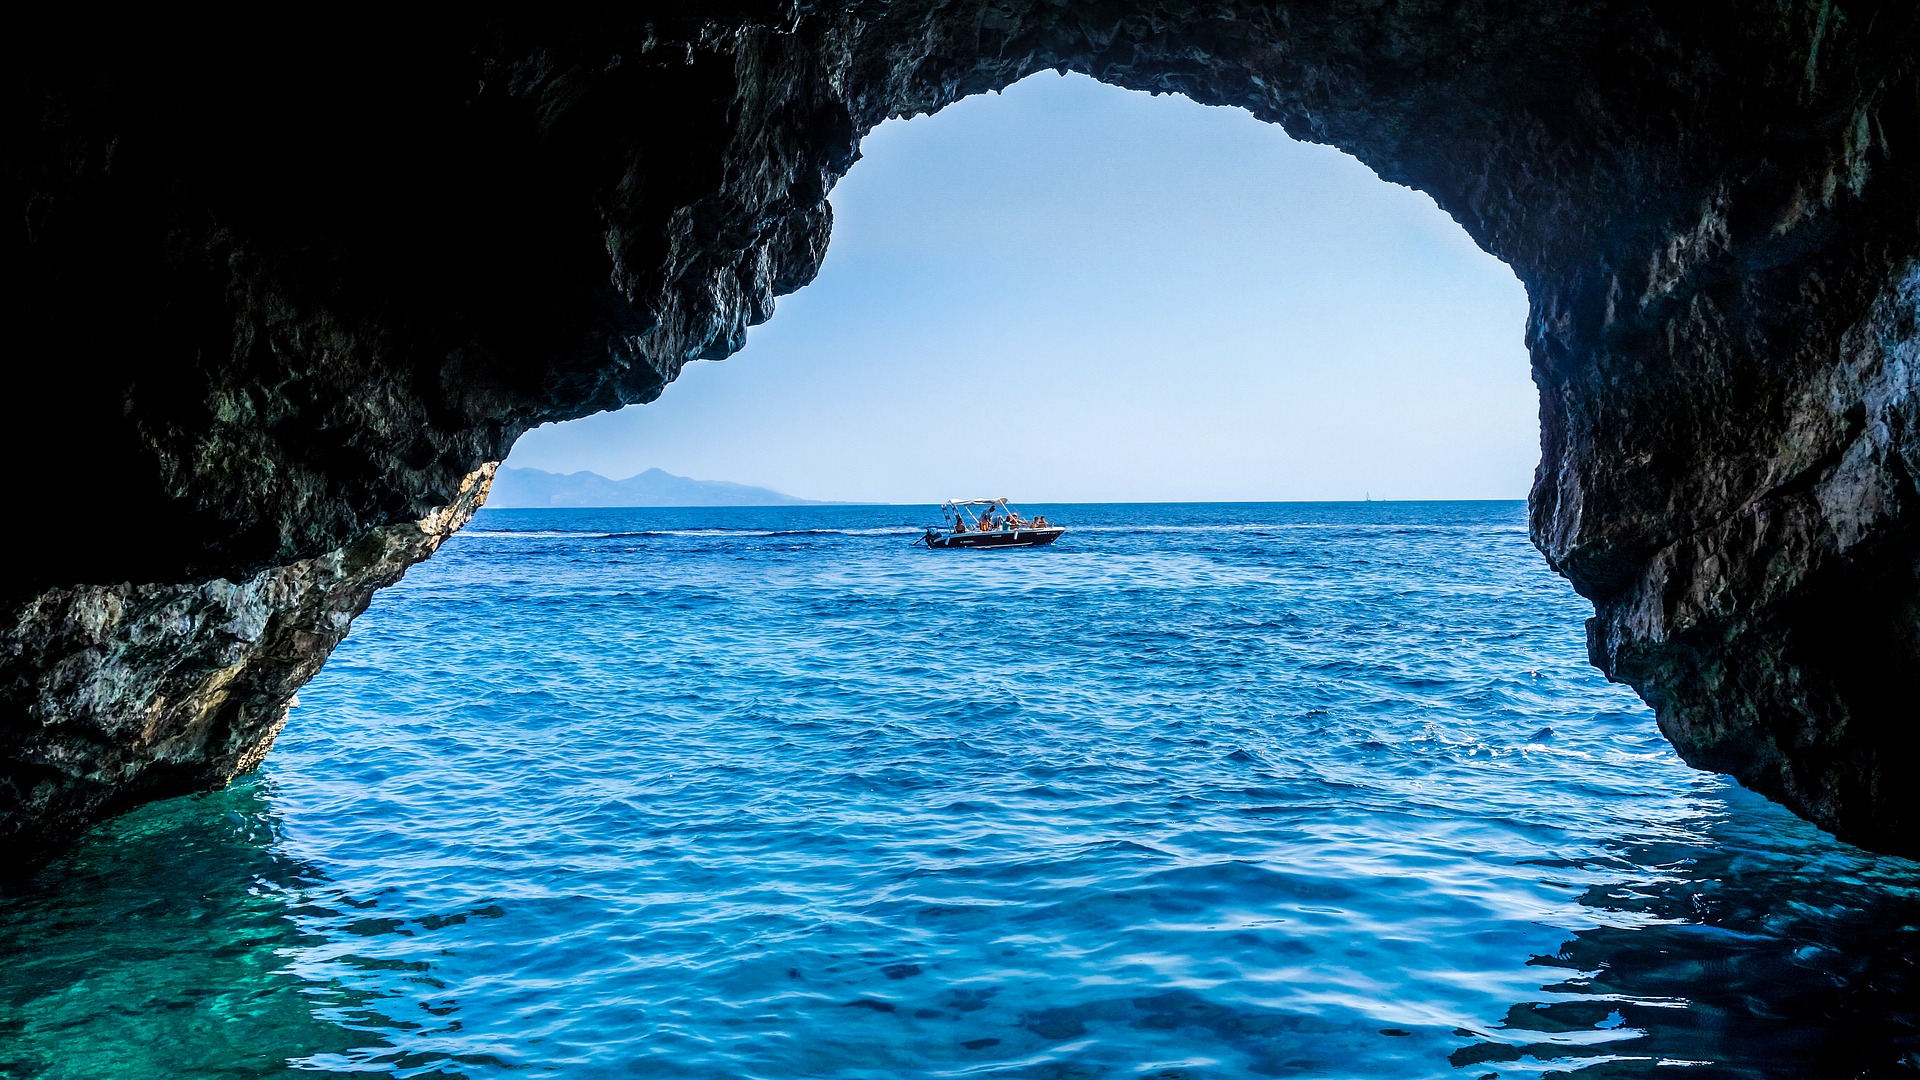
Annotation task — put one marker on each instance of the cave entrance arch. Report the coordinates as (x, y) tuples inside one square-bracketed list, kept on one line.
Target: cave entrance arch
[(347, 269)]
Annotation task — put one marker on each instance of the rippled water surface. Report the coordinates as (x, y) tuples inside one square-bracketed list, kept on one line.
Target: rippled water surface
[(1202, 791)]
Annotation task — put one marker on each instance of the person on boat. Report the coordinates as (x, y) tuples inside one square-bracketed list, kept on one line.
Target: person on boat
[(1040, 522), (959, 523), (986, 521)]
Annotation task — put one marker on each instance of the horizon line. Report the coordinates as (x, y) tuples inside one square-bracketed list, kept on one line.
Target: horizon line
[(1032, 502)]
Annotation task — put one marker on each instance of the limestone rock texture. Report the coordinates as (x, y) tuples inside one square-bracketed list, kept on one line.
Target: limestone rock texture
[(281, 289)]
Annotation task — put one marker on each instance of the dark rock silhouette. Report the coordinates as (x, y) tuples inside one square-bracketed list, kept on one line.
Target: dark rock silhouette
[(290, 285)]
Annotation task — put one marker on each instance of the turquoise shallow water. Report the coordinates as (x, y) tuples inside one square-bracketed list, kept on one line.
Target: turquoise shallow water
[(1202, 791)]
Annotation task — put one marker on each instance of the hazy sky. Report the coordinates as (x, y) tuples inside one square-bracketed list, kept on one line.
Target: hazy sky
[(1072, 292)]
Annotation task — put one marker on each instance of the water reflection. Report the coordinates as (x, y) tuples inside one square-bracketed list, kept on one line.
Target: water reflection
[(183, 941), (1766, 950), (179, 941)]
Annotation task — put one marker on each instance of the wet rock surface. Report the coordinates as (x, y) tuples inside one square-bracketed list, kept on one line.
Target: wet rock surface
[(117, 694), (284, 290)]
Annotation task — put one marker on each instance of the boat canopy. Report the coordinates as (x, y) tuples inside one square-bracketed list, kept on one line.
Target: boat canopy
[(972, 509)]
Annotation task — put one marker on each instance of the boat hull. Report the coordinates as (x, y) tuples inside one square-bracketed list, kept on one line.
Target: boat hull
[(997, 538)]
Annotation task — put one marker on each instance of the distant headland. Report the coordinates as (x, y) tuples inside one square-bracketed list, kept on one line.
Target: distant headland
[(527, 488)]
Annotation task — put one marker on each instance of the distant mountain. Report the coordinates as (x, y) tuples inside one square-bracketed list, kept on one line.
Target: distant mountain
[(536, 487)]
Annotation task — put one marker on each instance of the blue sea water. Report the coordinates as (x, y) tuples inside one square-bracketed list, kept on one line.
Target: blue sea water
[(1201, 791)]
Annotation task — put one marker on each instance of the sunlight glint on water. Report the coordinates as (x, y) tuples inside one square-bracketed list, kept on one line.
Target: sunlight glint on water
[(1257, 790)]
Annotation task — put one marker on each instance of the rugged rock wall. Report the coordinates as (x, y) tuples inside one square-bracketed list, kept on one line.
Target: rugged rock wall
[(282, 290), (122, 693)]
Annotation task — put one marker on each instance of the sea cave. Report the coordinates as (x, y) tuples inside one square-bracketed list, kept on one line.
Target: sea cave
[(291, 289)]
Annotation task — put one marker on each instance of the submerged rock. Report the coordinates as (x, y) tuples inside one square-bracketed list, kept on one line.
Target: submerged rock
[(292, 287)]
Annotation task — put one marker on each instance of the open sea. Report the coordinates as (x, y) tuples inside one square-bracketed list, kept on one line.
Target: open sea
[(1212, 790)]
